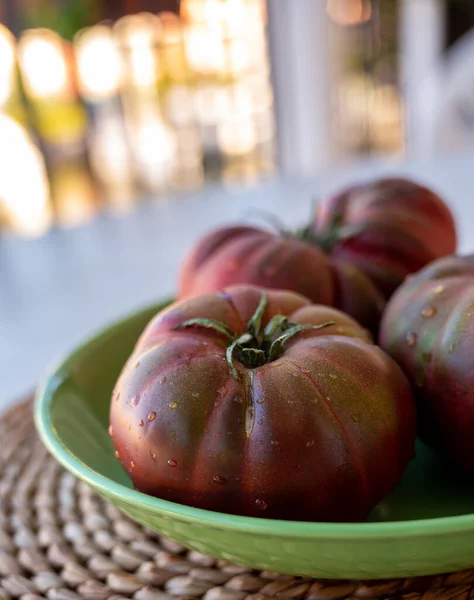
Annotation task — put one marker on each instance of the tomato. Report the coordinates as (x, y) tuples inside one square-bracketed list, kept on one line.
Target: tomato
[(255, 402), (359, 248), (428, 328)]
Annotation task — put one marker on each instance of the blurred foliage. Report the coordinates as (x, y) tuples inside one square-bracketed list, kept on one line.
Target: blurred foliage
[(65, 17)]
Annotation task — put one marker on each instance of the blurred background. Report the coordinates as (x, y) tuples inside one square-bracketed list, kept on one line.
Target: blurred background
[(109, 104), (129, 128)]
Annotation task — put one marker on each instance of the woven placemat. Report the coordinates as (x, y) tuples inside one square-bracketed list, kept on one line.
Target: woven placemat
[(60, 541)]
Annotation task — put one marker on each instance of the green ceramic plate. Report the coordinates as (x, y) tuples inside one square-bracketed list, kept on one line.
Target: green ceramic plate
[(425, 526)]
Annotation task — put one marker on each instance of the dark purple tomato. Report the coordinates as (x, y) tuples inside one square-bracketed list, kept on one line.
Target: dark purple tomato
[(256, 402)]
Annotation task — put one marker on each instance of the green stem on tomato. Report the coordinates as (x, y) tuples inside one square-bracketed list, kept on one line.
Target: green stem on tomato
[(256, 321), (208, 324), (251, 348)]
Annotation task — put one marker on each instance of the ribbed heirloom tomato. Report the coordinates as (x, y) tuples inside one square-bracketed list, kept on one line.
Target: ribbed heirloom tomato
[(258, 403), (357, 251), (428, 328)]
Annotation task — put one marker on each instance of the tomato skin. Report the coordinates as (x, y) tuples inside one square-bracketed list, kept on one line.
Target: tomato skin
[(234, 255), (428, 328), (401, 227), (360, 247), (331, 418)]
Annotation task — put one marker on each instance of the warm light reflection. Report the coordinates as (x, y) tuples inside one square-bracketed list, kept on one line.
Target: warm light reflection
[(172, 50), (7, 64), (386, 115), (189, 150), (43, 64), (110, 160), (205, 50), (24, 188), (349, 12), (241, 55), (172, 28), (99, 63), (75, 195), (261, 91), (237, 136), (242, 100), (194, 11), (155, 150), (138, 35), (236, 17), (179, 106), (165, 95), (213, 104), (225, 37), (265, 126)]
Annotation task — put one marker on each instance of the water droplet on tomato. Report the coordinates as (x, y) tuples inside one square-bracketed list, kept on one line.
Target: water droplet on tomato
[(151, 416), (261, 504), (135, 400), (411, 339), (310, 444), (132, 464), (172, 462), (219, 479), (117, 454), (428, 312), (111, 431), (439, 289), (153, 455), (141, 423), (173, 405)]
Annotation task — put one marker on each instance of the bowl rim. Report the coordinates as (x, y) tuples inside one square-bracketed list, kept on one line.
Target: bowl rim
[(59, 371)]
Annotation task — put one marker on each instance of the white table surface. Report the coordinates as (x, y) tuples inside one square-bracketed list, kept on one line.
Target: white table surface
[(57, 290)]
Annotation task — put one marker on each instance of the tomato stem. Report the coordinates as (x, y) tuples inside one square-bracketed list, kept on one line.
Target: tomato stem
[(256, 321), (277, 344), (239, 342), (252, 348), (209, 324), (329, 238)]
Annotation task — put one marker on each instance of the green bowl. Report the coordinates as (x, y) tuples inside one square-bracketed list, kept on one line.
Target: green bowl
[(425, 526)]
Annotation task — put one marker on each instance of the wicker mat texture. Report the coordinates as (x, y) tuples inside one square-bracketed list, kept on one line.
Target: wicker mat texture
[(60, 541)]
